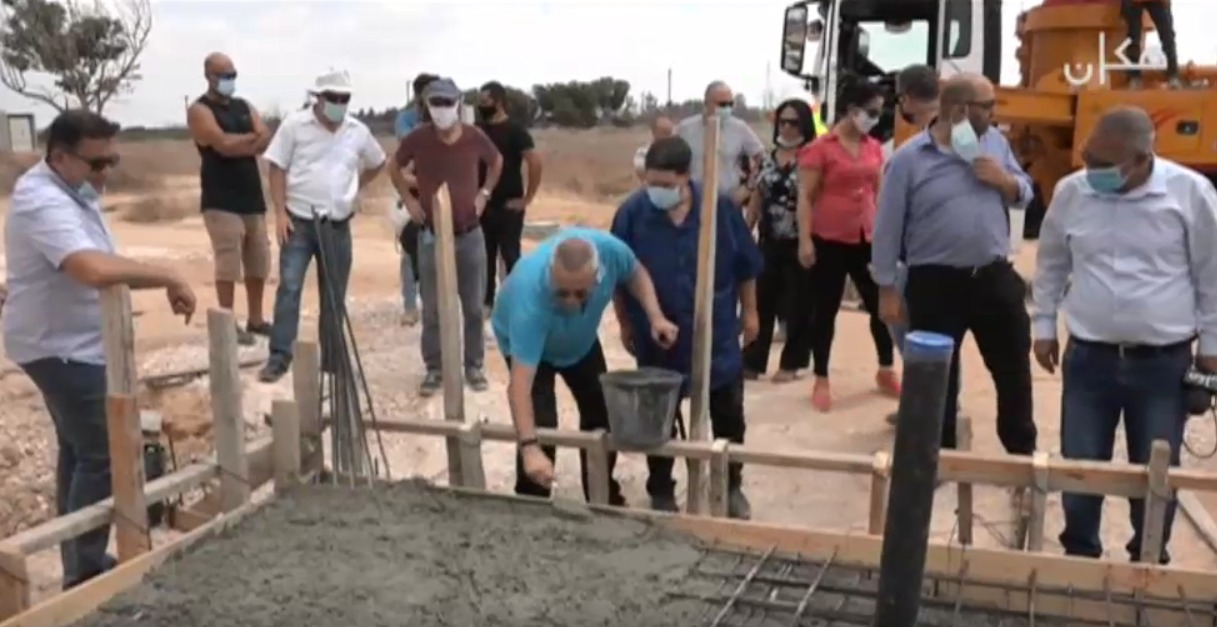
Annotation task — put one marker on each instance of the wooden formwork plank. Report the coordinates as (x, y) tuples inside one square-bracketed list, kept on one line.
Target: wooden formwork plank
[(963, 498), (720, 473), (880, 479), (1038, 511), (1153, 531), (118, 339), (703, 313), (227, 409), (472, 474), (131, 531), (286, 444), (77, 603), (306, 389), (14, 581), (598, 476), (450, 326), (1199, 515)]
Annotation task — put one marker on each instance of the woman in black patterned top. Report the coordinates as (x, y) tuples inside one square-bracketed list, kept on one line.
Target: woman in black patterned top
[(783, 287)]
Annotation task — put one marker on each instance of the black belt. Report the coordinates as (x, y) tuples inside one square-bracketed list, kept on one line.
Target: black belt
[(455, 231), (970, 271), (1133, 351)]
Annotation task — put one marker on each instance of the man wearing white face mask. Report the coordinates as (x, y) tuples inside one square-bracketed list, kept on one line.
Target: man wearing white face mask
[(1126, 252), (448, 152), (942, 208), (736, 140), (318, 161)]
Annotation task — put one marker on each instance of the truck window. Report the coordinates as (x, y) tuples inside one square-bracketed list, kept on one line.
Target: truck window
[(958, 33), (894, 51)]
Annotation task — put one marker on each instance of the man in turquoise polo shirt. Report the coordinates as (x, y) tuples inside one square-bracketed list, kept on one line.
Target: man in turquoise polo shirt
[(546, 321)]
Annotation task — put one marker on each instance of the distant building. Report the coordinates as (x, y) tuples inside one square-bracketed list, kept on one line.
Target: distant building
[(17, 132)]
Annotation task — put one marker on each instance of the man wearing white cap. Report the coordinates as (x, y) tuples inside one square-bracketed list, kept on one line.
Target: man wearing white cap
[(319, 160)]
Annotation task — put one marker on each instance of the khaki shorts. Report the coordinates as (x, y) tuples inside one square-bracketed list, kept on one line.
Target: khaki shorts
[(238, 240)]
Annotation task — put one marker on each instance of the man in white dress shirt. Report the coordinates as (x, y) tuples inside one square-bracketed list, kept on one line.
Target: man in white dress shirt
[(1127, 252), (318, 161)]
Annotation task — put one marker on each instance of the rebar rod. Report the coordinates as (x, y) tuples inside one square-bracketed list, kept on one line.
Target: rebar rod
[(811, 589), (743, 585)]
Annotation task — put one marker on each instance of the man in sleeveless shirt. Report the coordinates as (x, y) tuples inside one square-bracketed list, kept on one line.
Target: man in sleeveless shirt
[(230, 135)]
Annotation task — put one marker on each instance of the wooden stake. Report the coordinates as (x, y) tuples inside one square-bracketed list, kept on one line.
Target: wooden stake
[(703, 313), (720, 464), (880, 480), (1039, 502), (450, 325), (227, 411), (14, 581), (963, 500), (472, 473), (127, 476), (285, 428), (118, 337), (1157, 497), (597, 469), (306, 387)]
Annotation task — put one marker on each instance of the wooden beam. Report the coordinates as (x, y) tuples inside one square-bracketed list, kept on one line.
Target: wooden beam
[(131, 529), (450, 325), (1198, 514), (306, 388), (1039, 502), (472, 473), (703, 313), (286, 448), (963, 498), (720, 471), (227, 409), (598, 479), (118, 338), (1153, 531), (14, 581), (880, 480)]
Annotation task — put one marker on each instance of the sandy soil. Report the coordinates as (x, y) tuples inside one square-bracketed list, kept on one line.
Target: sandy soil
[(404, 556), (779, 416)]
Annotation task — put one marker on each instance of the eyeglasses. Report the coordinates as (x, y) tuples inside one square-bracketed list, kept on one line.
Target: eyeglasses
[(98, 164), (227, 76), (576, 294), (441, 102), (335, 98), (726, 104)]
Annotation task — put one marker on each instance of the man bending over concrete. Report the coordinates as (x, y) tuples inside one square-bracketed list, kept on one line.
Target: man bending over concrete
[(546, 320)]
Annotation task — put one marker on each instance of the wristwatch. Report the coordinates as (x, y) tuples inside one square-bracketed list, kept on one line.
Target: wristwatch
[(484, 193)]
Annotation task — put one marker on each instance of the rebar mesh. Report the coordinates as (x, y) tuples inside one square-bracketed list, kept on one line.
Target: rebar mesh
[(777, 590)]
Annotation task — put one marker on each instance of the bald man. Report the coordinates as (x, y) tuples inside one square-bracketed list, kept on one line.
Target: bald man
[(661, 127), (943, 211), (546, 321), (736, 141), (1126, 250), (229, 135)]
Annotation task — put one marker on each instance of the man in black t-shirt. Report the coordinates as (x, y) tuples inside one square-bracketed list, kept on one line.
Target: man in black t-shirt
[(503, 219)]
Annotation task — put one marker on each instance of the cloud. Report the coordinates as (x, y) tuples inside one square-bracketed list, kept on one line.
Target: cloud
[(281, 45)]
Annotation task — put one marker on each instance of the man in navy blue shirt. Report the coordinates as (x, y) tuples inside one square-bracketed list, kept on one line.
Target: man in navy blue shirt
[(660, 223)]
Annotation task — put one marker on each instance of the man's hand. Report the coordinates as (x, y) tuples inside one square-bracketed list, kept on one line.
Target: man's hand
[(537, 465), (1206, 363), (283, 227), (517, 204), (740, 194), (751, 326), (1047, 354), (891, 309), (664, 333), (990, 172), (479, 204), (627, 337), (807, 253), (181, 299), (414, 208)]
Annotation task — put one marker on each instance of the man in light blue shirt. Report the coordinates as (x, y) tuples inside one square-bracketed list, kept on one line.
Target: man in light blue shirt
[(736, 142), (59, 253), (1127, 251), (942, 209), (546, 321)]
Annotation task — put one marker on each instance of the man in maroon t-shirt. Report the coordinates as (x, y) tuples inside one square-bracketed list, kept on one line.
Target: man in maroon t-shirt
[(448, 151)]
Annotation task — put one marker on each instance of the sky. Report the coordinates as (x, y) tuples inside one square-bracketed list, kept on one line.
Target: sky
[(280, 46)]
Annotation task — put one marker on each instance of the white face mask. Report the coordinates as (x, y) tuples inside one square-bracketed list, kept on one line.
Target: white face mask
[(863, 121), (444, 117)]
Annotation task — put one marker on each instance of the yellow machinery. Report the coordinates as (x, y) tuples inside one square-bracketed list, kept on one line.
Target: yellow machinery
[(1069, 58)]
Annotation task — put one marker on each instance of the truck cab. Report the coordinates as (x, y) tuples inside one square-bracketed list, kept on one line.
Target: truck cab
[(828, 42)]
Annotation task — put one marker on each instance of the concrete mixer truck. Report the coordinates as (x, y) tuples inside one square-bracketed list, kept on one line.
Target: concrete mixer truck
[(1073, 62)]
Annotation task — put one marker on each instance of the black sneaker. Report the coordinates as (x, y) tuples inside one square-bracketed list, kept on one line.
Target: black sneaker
[(475, 378), (258, 328), (272, 371), (738, 506), (432, 382), (665, 503), (245, 338)]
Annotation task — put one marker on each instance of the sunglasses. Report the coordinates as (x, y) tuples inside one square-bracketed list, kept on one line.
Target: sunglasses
[(577, 294), (227, 76), (441, 102), (98, 164), (788, 122), (335, 98), (726, 104)]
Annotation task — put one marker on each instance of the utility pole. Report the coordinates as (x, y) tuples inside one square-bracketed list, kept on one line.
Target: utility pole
[(669, 88)]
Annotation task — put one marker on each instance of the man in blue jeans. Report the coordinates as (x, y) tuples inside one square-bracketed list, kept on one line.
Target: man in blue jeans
[(59, 253), (1126, 250)]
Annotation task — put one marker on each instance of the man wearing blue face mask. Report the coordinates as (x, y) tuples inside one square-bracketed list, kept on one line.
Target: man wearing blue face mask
[(1127, 252), (229, 135), (59, 253), (942, 209), (736, 141), (317, 163), (546, 321), (660, 223)]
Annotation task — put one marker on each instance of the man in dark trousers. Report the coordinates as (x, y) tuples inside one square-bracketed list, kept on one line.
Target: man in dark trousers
[(503, 220), (1160, 14), (230, 135), (660, 223)]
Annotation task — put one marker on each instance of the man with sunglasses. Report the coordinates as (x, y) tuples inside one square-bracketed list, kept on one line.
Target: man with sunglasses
[(229, 135), (59, 253), (546, 322), (736, 140), (318, 162), (449, 152), (942, 210)]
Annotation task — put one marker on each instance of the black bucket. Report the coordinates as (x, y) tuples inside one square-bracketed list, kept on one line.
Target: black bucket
[(641, 406)]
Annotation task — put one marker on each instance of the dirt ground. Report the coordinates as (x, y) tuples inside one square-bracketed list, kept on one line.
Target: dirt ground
[(401, 555), (158, 222)]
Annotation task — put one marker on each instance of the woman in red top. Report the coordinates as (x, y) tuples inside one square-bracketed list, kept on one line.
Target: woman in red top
[(838, 185)]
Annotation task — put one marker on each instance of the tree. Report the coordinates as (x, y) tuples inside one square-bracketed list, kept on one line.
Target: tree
[(582, 104), (89, 51)]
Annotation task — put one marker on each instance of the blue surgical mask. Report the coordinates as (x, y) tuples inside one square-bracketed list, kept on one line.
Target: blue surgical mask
[(334, 112), (1106, 180), (663, 198), (88, 192), (964, 141), (226, 86), (725, 112)]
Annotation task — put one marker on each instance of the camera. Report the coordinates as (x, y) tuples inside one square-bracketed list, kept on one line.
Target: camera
[(1201, 389)]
